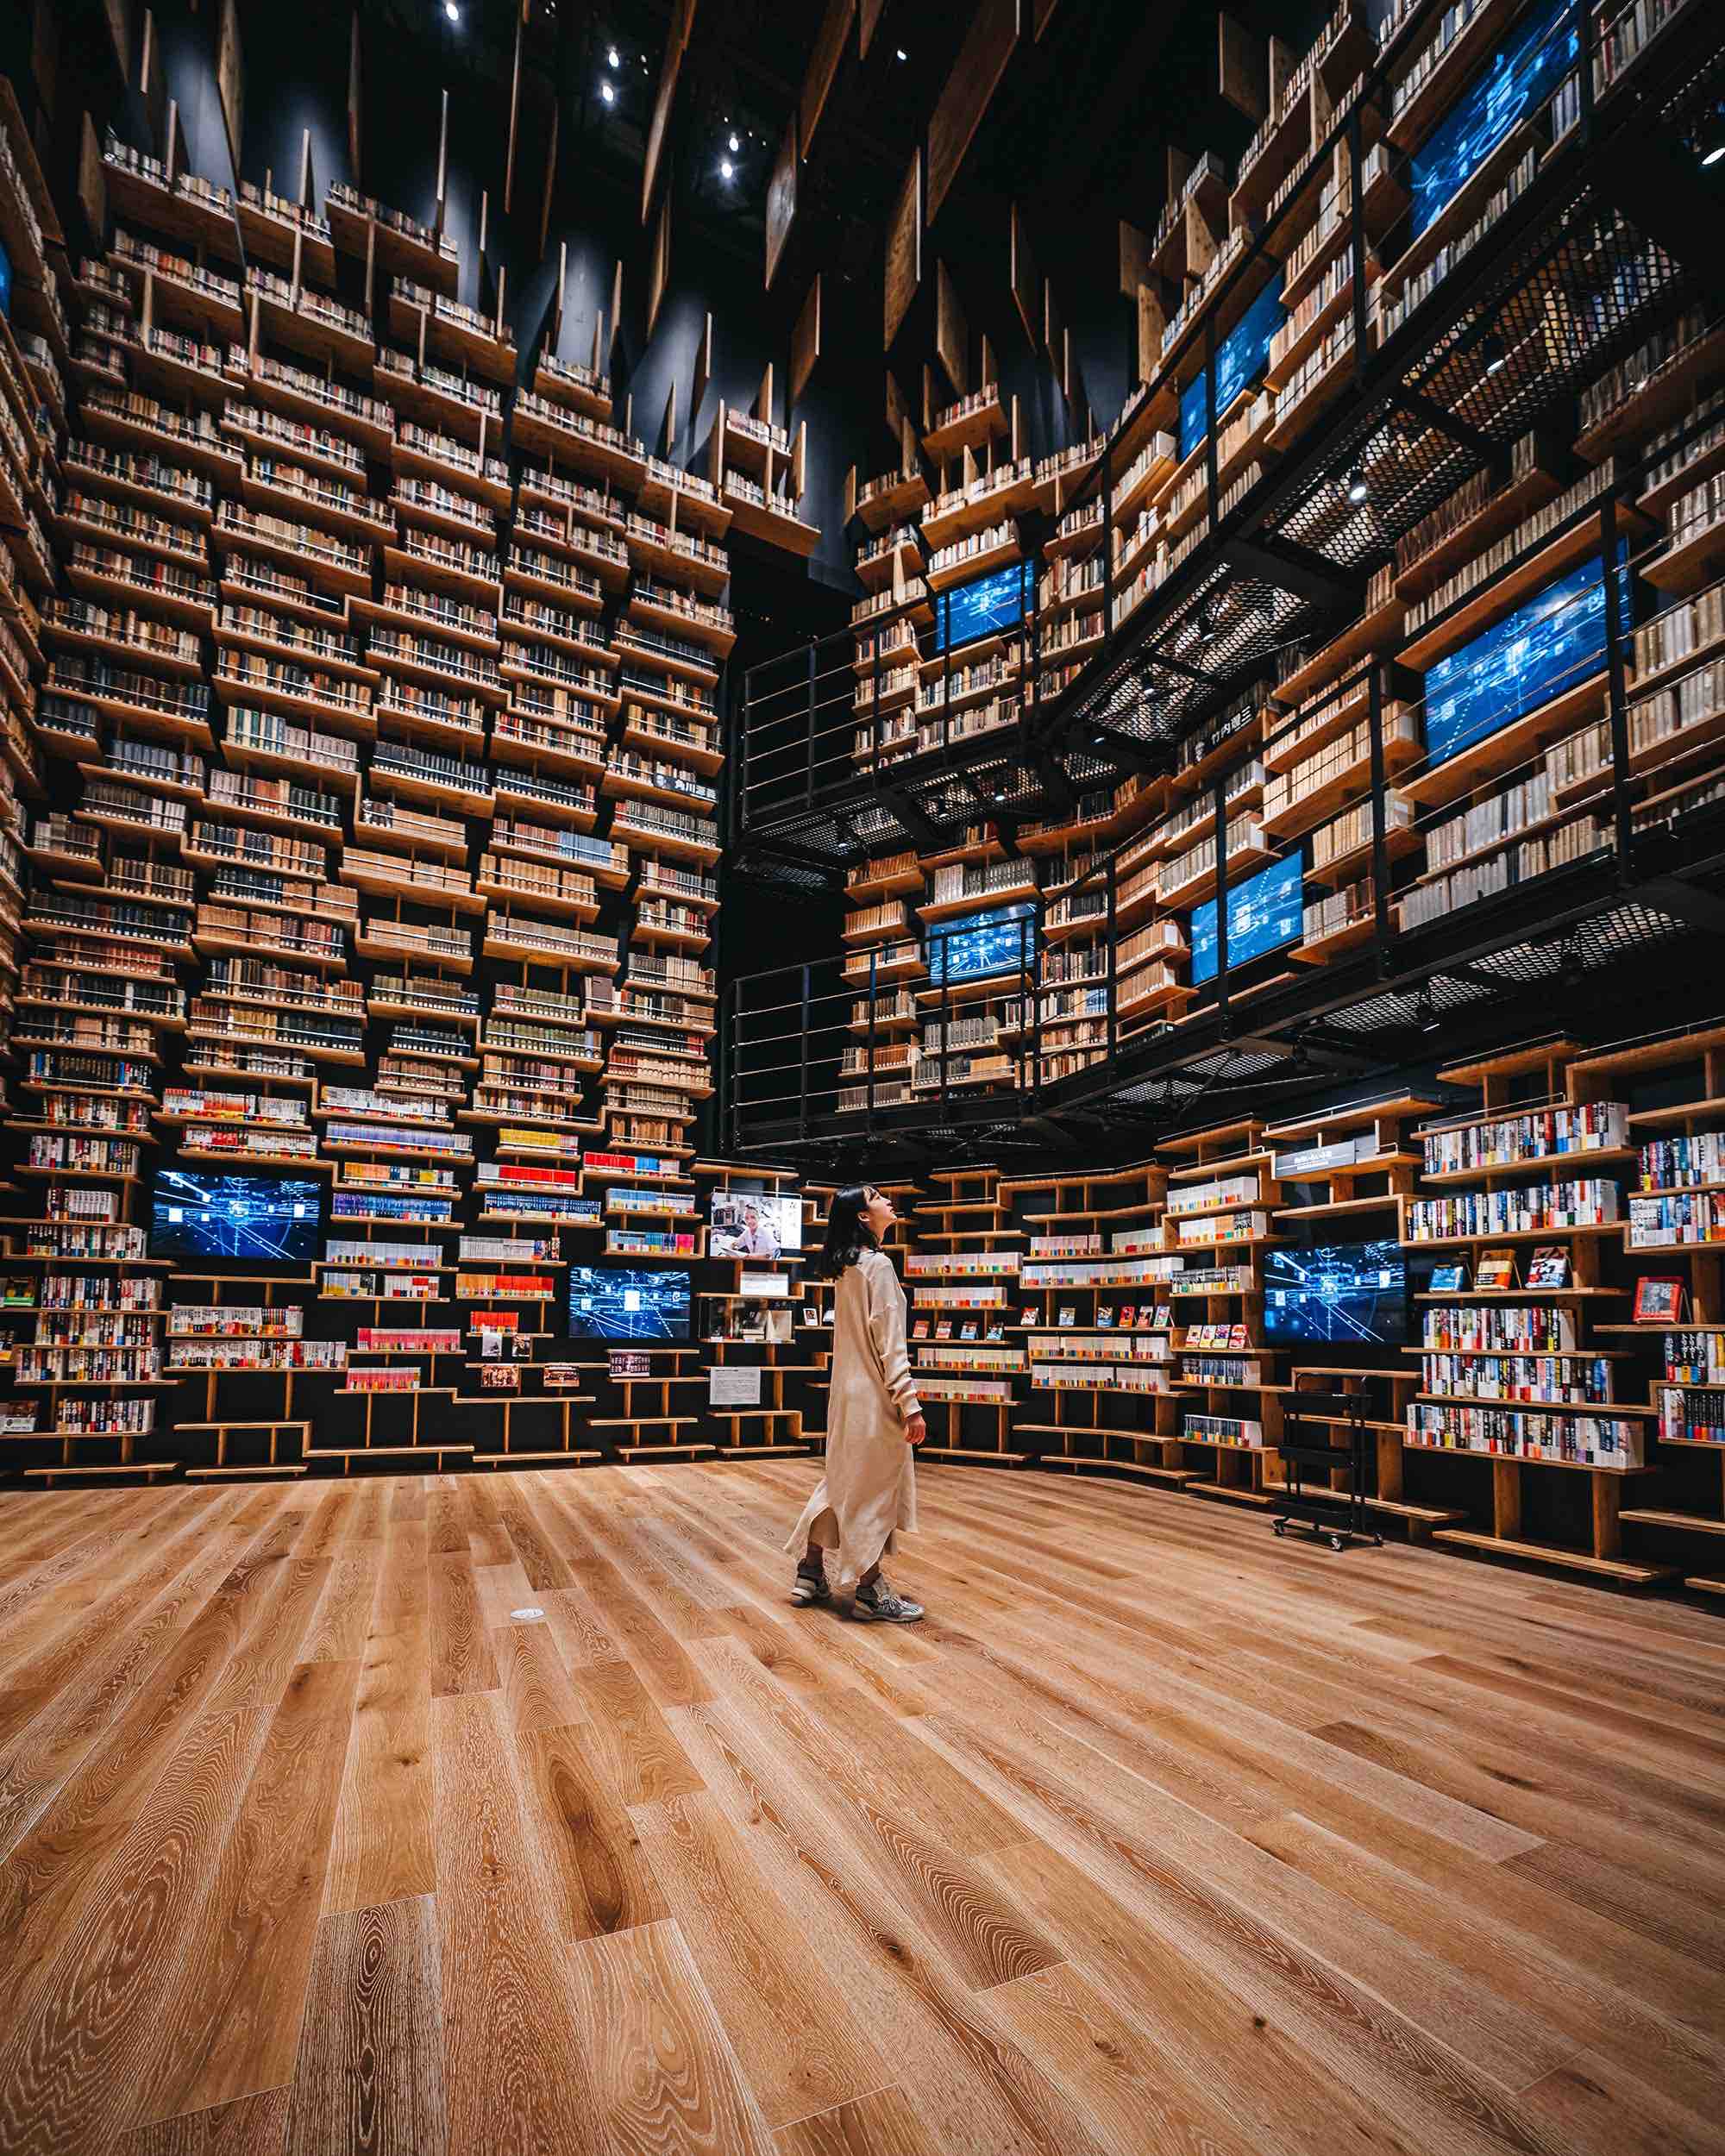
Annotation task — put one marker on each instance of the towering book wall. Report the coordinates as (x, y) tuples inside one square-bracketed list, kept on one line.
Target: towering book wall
[(1480, 648), (384, 698)]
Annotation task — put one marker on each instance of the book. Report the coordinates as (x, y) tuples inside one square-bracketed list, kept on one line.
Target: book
[(1105, 1319), (1068, 1314), (1658, 1302), (918, 1331), (996, 1331), (1128, 1316), (1028, 1314), (1448, 1280), (1548, 1267), (811, 1316), (943, 1330), (1496, 1270), (968, 1330)]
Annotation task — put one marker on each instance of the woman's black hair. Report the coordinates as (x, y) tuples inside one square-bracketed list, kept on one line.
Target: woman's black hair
[(848, 1232)]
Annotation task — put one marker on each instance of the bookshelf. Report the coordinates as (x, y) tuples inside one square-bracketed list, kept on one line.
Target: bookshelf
[(1107, 1388), (961, 1275), (751, 1317)]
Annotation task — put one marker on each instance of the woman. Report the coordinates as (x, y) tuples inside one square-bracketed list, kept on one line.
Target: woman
[(874, 1421)]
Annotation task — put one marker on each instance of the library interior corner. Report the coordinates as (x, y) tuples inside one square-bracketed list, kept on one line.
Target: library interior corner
[(861, 1078)]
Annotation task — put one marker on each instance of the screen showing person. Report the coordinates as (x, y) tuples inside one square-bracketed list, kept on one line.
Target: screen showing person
[(755, 1223)]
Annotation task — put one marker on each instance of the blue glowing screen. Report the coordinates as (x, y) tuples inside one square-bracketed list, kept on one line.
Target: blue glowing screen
[(1241, 357), (1265, 912), (1518, 77), (983, 609), (1554, 639), (979, 943)]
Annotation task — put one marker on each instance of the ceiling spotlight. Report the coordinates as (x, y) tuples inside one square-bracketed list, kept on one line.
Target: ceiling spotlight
[(735, 144), (1427, 1010), (608, 92), (1358, 486), (1495, 356), (1713, 155), (902, 54), (725, 168), (452, 10), (611, 58)]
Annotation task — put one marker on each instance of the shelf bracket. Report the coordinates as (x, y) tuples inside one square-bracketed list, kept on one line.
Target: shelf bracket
[(1296, 569), (1494, 455)]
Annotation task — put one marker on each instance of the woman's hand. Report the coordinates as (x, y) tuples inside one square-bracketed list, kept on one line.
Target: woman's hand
[(915, 1430)]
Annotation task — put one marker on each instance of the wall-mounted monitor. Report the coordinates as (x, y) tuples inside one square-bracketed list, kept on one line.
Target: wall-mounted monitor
[(1351, 1294), (259, 1220), (983, 607), (607, 1303), (755, 1223), (978, 945), (1519, 76), (1241, 358), (1551, 642), (1265, 912)]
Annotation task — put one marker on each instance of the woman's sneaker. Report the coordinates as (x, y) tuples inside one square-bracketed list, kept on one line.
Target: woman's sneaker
[(876, 1604), (809, 1587)]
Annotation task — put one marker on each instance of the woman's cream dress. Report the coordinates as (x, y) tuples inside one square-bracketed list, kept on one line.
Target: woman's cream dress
[(869, 1488)]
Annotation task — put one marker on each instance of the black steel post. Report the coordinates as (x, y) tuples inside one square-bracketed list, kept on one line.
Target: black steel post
[(1107, 540), (1356, 169), (1113, 975), (809, 789), (803, 1079), (1212, 483), (1583, 65), (1221, 799)]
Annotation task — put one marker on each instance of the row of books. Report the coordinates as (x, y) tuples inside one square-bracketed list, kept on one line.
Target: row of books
[(1535, 1207), (1578, 1439), (1507, 1141), (1689, 1417), (1698, 1158), (258, 1355), (1471, 1327), (1686, 1216), (1582, 1379)]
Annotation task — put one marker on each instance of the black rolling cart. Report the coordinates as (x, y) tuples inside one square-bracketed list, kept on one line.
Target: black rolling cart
[(1321, 1433)]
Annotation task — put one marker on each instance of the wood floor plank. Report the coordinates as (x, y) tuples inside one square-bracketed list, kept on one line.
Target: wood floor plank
[(369, 2075), (381, 1844), (461, 1659), (251, 2126), (515, 2073), (590, 1848), (801, 2049), (664, 2075), (882, 2124), (536, 1687), (639, 1756), (248, 1950)]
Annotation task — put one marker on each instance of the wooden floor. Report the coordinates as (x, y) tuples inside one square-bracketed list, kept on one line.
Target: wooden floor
[(490, 1817)]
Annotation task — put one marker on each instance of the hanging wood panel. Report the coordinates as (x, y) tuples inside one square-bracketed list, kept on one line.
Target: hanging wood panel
[(781, 199), (951, 331), (806, 341), (659, 127), (1242, 67), (230, 79), (1026, 283), (868, 20), (823, 67), (904, 250), (659, 270), (353, 90), (981, 63)]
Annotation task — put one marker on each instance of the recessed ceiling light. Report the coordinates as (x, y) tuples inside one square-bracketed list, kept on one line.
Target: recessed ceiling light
[(902, 54), (1359, 488), (725, 168), (452, 10), (1713, 155), (611, 58), (606, 92), (735, 144)]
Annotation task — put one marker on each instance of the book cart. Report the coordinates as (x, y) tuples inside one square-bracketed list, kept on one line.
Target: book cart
[(962, 1273), (1218, 1207), (1362, 1160), (754, 1329), (1110, 1396), (1510, 1373), (1676, 1231)]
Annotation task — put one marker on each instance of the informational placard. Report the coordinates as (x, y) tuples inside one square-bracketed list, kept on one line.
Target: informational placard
[(762, 1285), (734, 1385)]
